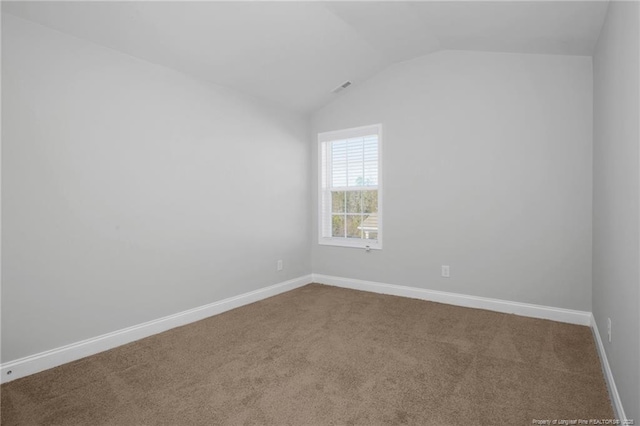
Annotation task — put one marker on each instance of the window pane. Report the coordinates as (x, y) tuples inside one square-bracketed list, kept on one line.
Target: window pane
[(337, 226), (353, 226), (354, 202), (370, 201), (339, 163), (370, 160), (337, 201), (354, 162), (369, 226)]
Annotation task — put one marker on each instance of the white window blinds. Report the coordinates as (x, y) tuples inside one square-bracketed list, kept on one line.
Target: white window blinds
[(354, 162)]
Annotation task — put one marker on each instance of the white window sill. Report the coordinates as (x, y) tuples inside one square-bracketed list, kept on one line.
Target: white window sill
[(348, 243)]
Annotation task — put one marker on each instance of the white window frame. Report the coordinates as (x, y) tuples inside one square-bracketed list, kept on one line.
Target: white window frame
[(324, 191)]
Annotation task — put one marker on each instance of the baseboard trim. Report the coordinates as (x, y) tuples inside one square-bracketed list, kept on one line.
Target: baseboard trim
[(56, 357), (608, 375), (45, 360), (505, 306)]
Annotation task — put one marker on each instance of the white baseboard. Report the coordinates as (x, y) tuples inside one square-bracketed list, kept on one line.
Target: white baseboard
[(505, 306), (608, 375), (55, 357), (43, 361)]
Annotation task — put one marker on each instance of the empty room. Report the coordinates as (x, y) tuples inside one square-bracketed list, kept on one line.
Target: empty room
[(320, 213)]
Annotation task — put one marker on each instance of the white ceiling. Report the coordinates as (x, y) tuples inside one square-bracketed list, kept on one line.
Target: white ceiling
[(295, 53)]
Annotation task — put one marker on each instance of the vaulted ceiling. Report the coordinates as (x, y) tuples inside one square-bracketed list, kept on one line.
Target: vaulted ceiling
[(295, 53)]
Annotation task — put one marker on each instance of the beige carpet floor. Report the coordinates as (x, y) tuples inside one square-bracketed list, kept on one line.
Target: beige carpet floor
[(321, 355)]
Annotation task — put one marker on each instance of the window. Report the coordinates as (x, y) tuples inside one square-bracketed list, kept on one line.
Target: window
[(350, 196)]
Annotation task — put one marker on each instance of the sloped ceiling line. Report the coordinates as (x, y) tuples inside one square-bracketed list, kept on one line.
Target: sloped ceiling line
[(294, 53)]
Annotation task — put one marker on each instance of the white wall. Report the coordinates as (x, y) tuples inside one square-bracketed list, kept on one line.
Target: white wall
[(616, 173), (131, 191), (487, 168)]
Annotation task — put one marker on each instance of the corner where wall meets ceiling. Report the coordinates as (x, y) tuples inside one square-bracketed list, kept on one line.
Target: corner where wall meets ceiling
[(304, 50)]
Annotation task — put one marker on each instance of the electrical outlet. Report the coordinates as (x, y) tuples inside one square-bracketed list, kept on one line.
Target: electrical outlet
[(609, 329), (279, 267), (445, 271)]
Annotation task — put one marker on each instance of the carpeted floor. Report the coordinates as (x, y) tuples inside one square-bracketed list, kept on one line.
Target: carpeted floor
[(322, 355)]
